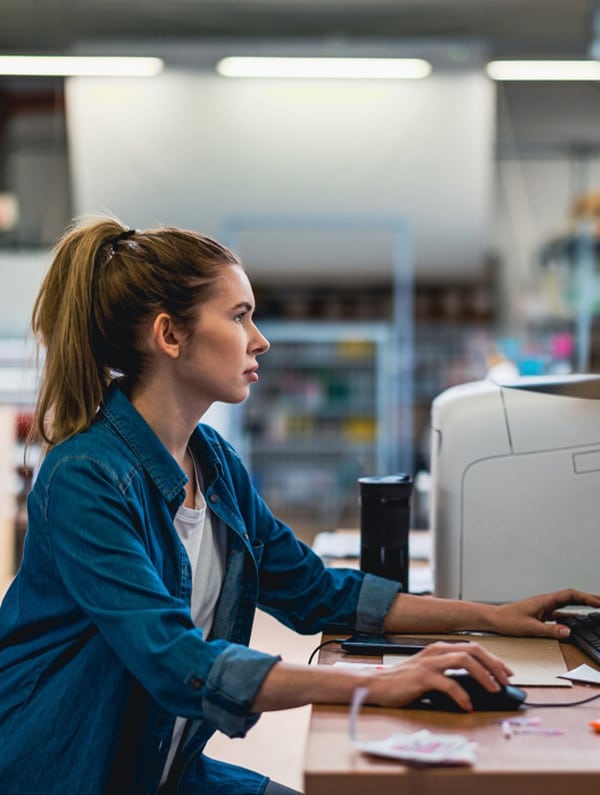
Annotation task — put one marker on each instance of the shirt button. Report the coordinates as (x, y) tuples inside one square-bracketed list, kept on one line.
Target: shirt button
[(196, 682), (214, 498), (246, 536)]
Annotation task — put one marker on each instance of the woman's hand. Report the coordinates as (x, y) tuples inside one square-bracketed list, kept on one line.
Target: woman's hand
[(398, 686), (530, 616), (290, 685), (409, 614)]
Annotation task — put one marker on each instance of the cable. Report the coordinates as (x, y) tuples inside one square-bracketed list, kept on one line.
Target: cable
[(320, 646), (565, 703)]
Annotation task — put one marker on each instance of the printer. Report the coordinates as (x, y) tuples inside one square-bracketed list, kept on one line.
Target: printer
[(515, 487)]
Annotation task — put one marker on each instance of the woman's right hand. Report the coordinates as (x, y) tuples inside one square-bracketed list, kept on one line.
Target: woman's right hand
[(290, 685), (402, 684)]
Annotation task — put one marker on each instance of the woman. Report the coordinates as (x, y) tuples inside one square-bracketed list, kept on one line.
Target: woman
[(123, 638)]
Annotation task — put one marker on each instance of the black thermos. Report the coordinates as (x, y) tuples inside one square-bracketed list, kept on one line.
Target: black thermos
[(384, 525)]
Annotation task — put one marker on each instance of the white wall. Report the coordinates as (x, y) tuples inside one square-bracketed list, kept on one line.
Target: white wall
[(21, 274), (193, 149), (533, 197), (548, 146)]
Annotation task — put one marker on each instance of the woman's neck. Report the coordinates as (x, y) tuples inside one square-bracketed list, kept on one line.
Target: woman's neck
[(191, 486), (171, 419), (174, 431)]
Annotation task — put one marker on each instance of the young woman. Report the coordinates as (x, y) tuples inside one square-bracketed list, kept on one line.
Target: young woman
[(123, 638)]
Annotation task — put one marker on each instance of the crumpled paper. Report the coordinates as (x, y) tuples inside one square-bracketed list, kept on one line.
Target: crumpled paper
[(421, 748)]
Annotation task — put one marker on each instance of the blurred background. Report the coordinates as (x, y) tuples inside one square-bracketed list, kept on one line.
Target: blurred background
[(402, 235)]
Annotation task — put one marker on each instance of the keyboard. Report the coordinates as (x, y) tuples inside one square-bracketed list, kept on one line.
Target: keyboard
[(585, 633)]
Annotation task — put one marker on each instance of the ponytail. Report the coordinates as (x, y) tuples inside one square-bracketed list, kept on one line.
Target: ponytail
[(104, 281)]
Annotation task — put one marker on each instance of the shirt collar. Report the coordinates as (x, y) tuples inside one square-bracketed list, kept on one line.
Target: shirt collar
[(120, 414)]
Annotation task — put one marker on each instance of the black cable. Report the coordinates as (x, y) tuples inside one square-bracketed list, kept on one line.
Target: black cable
[(320, 646), (564, 703)]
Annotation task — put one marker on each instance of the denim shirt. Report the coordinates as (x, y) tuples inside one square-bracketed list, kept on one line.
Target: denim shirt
[(98, 652)]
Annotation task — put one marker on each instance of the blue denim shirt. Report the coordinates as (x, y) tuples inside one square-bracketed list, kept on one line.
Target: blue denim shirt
[(98, 652)]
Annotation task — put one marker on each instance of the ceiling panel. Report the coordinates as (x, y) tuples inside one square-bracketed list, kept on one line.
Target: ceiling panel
[(526, 28)]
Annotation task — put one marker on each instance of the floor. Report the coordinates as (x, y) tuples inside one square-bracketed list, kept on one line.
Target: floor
[(275, 746)]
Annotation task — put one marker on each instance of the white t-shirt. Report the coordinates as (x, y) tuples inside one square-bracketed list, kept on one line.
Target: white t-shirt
[(206, 550)]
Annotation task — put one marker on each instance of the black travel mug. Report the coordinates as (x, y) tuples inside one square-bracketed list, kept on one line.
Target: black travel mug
[(384, 525)]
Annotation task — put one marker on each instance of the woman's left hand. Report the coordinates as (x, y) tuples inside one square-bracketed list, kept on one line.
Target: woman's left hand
[(531, 616)]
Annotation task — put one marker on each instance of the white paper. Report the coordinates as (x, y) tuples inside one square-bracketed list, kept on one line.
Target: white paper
[(356, 666), (583, 673), (536, 662), (422, 747)]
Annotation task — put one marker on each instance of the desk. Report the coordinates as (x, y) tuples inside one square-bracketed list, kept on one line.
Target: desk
[(522, 765)]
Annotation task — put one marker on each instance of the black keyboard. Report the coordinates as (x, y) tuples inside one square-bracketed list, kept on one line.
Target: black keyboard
[(585, 633)]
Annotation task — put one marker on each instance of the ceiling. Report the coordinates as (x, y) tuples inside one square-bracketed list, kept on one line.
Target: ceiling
[(543, 119), (508, 28)]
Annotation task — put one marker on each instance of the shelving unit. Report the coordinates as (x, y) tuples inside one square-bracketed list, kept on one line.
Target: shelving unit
[(574, 260), (318, 419), (569, 281), (18, 391), (454, 330)]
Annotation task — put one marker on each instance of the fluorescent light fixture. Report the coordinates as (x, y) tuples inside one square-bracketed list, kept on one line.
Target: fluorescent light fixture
[(335, 68), (543, 70), (78, 66)]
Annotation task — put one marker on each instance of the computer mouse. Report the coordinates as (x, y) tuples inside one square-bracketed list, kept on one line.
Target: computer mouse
[(509, 697)]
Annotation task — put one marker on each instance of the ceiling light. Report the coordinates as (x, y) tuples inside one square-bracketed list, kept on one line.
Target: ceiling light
[(336, 68), (78, 66), (544, 70)]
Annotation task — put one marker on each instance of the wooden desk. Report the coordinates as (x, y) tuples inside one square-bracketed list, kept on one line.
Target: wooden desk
[(522, 765)]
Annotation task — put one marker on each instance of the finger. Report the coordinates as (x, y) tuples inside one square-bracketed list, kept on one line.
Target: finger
[(557, 631), (449, 686), (458, 694), (488, 669), (491, 668), (456, 655), (572, 596), (442, 647), (581, 598)]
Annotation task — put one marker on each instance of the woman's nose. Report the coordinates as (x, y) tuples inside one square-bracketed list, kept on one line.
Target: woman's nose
[(262, 344)]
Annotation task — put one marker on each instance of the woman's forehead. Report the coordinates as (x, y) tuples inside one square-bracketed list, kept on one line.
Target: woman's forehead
[(231, 288)]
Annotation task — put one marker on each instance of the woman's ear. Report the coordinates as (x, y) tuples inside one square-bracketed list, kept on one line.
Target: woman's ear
[(165, 335)]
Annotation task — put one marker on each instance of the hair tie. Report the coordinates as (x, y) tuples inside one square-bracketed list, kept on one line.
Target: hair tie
[(121, 236)]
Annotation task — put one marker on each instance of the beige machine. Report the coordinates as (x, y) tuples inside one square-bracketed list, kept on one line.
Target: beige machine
[(516, 487)]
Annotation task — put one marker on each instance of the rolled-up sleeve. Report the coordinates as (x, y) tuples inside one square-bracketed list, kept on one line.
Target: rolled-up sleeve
[(231, 687), (374, 600)]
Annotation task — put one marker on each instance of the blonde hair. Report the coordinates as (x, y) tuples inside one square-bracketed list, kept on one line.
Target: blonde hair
[(104, 281)]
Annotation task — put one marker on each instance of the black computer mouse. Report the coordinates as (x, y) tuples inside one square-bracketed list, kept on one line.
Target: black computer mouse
[(509, 697)]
